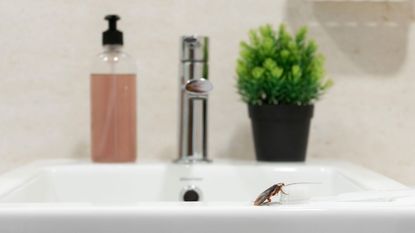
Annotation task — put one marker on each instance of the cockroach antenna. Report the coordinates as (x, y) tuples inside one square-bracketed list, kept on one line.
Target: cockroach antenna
[(302, 183)]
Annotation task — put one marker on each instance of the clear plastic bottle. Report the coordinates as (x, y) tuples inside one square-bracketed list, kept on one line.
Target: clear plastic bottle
[(113, 101)]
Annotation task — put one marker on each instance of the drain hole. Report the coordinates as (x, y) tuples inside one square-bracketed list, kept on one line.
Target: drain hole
[(191, 195)]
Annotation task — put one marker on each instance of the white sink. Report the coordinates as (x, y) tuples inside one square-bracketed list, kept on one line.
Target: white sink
[(75, 196)]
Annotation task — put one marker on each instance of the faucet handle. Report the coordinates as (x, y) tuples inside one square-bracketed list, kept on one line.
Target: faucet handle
[(198, 88)]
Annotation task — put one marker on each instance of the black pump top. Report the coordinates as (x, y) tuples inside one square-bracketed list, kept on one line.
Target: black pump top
[(112, 36)]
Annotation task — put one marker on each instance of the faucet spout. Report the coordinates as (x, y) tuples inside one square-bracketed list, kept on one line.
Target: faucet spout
[(194, 89)]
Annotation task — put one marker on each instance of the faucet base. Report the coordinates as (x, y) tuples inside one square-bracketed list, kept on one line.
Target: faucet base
[(191, 160)]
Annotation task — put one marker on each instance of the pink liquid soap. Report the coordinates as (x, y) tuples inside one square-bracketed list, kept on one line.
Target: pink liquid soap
[(113, 116)]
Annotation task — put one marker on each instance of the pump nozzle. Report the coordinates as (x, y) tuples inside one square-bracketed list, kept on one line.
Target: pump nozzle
[(112, 35)]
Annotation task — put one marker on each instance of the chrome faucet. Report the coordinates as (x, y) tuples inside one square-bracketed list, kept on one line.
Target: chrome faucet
[(194, 89)]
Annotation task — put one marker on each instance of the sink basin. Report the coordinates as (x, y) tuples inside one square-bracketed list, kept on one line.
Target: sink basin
[(77, 196)]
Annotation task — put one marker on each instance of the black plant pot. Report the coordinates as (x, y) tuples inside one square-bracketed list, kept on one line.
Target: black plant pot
[(280, 131)]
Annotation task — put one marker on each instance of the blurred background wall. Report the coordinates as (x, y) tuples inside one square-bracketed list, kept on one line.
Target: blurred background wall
[(46, 46)]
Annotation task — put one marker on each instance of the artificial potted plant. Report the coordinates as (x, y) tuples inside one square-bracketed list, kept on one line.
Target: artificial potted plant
[(280, 77)]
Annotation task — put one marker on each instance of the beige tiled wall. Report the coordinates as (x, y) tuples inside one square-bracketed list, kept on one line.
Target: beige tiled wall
[(45, 48)]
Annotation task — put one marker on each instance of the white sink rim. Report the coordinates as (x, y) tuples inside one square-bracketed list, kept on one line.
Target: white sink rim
[(371, 181), (183, 217)]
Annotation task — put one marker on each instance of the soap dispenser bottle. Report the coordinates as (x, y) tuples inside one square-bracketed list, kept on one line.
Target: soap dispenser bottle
[(113, 100)]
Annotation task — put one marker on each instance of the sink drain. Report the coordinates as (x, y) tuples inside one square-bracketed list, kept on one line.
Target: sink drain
[(190, 193)]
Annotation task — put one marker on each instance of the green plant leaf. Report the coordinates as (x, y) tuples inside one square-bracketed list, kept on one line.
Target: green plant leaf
[(277, 68)]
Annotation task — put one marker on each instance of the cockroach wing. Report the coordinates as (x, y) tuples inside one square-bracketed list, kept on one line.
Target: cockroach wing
[(265, 195)]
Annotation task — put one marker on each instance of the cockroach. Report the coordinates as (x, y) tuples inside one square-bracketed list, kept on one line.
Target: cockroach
[(274, 190)]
